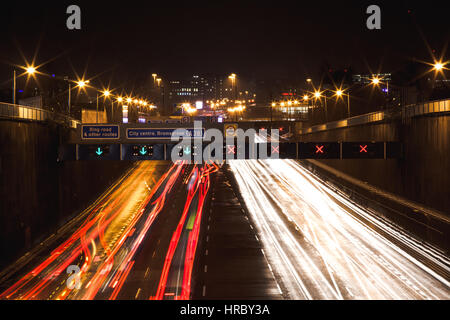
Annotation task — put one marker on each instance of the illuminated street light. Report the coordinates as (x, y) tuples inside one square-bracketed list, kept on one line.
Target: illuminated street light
[(31, 70), (129, 100), (106, 93), (232, 77), (306, 97), (375, 81), (274, 104), (82, 83), (119, 99), (317, 94), (438, 66), (340, 93), (191, 110)]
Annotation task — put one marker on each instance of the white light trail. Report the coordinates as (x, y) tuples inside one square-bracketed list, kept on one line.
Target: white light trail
[(322, 246)]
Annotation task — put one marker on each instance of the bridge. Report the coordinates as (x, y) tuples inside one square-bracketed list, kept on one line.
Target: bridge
[(134, 142)]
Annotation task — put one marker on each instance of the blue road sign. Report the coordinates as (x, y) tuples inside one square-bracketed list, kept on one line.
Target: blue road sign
[(163, 133), (100, 132)]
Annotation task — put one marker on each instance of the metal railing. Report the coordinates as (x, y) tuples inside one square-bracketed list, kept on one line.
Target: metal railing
[(405, 112), (15, 111)]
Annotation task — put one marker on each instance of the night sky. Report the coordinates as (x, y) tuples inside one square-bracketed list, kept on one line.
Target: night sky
[(125, 41)]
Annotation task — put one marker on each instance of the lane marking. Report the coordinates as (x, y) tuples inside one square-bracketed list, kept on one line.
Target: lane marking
[(137, 293)]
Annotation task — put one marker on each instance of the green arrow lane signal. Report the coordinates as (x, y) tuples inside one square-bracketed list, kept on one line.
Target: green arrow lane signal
[(187, 150), (99, 151), (143, 151)]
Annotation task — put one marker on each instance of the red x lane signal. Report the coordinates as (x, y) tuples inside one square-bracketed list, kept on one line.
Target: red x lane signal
[(319, 149), (275, 149), (231, 149), (363, 149)]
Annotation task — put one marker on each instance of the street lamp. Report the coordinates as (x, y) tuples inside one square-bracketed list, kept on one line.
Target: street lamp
[(80, 84), (30, 70), (119, 100), (340, 93), (105, 93), (232, 77), (318, 95), (438, 66)]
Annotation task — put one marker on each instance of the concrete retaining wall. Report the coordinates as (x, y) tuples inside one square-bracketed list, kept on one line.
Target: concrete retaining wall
[(38, 193), (421, 176)]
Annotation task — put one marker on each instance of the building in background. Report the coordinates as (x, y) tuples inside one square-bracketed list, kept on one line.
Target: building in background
[(196, 88)]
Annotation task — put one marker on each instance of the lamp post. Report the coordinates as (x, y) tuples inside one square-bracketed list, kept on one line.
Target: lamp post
[(30, 70), (80, 84), (106, 94), (376, 81), (119, 100), (68, 102), (340, 93), (232, 77), (96, 121), (271, 113), (14, 86), (318, 95)]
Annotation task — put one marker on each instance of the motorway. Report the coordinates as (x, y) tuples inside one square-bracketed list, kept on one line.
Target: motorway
[(130, 228), (301, 240), (322, 246)]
